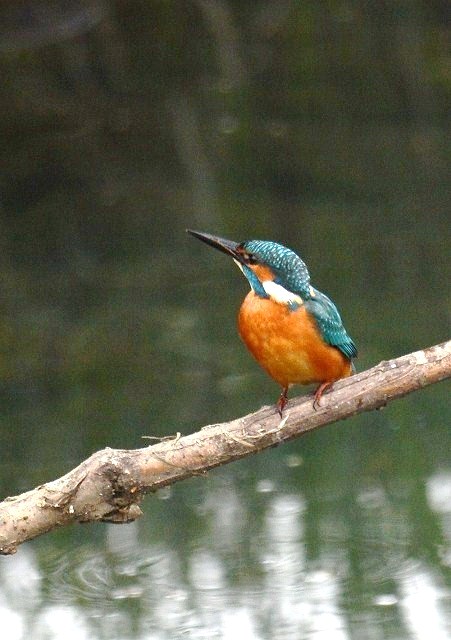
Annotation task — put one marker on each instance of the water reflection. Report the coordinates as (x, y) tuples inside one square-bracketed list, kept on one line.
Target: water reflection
[(284, 564), (438, 493), (422, 603), (366, 586)]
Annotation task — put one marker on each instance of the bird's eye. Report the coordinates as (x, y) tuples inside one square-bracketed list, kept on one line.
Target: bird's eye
[(249, 258)]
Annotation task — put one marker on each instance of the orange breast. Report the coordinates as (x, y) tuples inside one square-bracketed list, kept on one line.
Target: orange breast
[(288, 344)]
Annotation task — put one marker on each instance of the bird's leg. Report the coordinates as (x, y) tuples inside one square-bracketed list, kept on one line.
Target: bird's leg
[(282, 401), (319, 392)]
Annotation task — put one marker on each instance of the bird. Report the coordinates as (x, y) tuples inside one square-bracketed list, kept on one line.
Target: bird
[(294, 331)]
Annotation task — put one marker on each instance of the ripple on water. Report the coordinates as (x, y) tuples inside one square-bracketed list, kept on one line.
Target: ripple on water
[(97, 578)]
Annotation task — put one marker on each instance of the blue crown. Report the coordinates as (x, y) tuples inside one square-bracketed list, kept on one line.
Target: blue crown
[(288, 268)]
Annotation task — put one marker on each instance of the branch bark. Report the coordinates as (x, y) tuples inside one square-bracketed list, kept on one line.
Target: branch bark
[(110, 485)]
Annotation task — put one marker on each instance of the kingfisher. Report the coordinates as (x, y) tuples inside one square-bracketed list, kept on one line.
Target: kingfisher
[(294, 331)]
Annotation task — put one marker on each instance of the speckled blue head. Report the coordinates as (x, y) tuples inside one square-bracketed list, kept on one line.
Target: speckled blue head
[(288, 268)]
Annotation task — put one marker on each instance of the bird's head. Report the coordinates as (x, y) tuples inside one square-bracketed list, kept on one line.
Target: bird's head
[(273, 271)]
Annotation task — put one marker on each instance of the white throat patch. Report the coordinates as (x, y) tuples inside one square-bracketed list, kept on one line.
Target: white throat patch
[(279, 294), (239, 265)]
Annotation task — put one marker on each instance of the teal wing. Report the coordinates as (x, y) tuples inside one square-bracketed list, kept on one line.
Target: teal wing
[(329, 322)]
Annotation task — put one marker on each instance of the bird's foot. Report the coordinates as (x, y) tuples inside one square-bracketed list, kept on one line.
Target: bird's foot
[(319, 392), (282, 401)]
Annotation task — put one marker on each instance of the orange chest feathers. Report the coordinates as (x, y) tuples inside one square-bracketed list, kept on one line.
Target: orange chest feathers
[(288, 344)]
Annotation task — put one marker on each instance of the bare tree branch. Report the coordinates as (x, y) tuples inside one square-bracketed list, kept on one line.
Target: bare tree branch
[(110, 484)]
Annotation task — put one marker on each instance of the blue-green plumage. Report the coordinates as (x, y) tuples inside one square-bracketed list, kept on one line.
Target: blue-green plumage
[(329, 322), (292, 274)]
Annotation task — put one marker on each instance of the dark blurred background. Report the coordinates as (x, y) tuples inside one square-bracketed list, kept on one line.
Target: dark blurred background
[(322, 125)]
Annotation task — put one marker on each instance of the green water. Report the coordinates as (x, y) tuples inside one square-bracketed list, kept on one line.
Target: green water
[(324, 127)]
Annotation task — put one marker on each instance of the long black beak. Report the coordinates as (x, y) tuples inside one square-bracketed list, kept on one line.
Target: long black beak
[(226, 246)]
